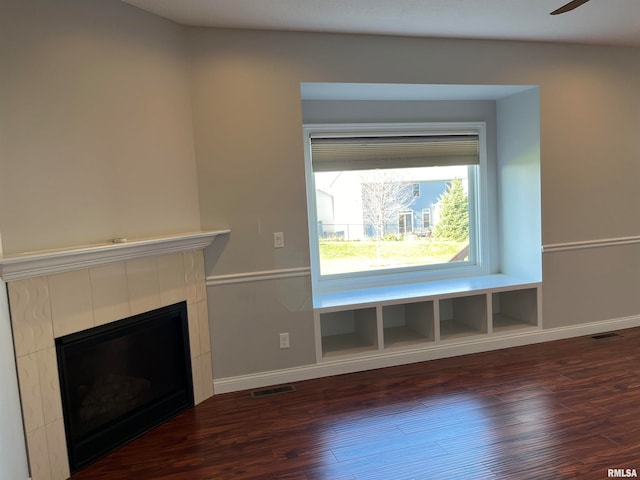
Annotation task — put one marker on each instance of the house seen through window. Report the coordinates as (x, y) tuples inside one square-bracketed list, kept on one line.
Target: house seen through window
[(389, 202)]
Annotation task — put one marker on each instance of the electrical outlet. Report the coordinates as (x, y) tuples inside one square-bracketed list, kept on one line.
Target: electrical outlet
[(278, 240), (284, 340)]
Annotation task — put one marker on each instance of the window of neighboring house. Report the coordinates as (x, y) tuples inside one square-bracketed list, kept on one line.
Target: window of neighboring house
[(426, 219), (367, 182), (405, 222)]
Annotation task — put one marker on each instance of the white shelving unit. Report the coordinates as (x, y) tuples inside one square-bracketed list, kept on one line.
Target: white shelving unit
[(463, 316), (408, 324), (514, 310), (349, 332), (414, 317)]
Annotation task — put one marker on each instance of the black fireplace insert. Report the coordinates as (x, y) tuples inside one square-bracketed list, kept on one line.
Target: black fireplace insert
[(122, 379)]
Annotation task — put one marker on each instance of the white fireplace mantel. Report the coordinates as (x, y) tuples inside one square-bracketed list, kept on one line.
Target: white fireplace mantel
[(47, 262)]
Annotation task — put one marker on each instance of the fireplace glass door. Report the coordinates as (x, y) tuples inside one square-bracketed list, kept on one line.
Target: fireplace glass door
[(122, 379)]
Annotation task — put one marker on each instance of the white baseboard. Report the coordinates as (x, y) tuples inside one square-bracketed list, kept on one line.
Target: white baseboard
[(433, 352)]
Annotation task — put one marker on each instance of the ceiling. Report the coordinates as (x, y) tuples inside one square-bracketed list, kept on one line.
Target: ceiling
[(605, 22)]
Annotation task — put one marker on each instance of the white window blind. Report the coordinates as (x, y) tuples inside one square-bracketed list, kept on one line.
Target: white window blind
[(333, 154)]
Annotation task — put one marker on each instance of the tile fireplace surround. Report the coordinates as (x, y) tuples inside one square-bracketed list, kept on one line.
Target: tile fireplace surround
[(57, 293)]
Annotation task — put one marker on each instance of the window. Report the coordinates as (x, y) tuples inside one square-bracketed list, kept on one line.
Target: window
[(426, 219), (394, 200), (405, 222)]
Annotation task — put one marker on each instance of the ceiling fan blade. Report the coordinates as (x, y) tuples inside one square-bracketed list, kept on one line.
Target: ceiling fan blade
[(569, 6)]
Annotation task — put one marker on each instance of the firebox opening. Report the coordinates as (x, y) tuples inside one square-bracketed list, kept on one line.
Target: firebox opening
[(122, 379)]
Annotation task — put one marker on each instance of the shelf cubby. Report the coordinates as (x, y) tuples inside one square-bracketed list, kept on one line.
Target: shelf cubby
[(463, 316), (408, 324), (514, 309), (349, 332)]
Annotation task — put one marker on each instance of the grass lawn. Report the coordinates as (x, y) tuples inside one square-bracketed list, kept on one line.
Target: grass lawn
[(341, 257)]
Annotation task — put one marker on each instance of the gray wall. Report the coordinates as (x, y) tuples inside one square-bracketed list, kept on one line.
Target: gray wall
[(96, 137), (13, 455), (248, 117), (519, 184)]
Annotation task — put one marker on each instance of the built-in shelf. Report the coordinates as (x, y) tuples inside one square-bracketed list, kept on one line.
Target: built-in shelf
[(514, 309), (349, 332), (408, 324), (419, 317), (463, 316), (33, 264)]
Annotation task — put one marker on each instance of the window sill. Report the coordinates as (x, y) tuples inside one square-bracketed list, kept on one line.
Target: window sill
[(420, 290)]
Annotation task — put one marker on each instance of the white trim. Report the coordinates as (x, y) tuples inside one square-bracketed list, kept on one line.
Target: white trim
[(33, 264), (606, 242), (246, 277), (390, 359)]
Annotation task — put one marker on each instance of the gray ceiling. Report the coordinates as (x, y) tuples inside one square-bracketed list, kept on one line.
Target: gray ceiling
[(606, 22)]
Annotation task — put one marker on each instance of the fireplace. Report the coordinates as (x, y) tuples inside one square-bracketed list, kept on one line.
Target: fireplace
[(58, 293), (121, 379)]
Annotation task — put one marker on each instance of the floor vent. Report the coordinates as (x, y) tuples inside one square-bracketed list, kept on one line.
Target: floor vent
[(605, 335), (272, 391)]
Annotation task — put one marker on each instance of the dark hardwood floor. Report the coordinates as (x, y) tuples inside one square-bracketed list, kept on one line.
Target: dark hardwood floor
[(560, 410)]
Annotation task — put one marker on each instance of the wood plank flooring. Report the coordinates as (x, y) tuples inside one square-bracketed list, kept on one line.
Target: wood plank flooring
[(561, 410)]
